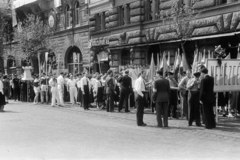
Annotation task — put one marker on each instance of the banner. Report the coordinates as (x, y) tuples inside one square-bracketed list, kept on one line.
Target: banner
[(227, 76)]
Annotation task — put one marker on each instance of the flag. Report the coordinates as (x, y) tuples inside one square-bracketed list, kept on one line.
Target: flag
[(152, 70), (209, 54), (158, 61), (184, 64), (194, 67), (168, 62), (228, 56), (199, 57), (203, 61), (177, 61)]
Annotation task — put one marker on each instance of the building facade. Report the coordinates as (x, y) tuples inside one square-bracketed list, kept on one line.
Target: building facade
[(69, 21), (132, 30)]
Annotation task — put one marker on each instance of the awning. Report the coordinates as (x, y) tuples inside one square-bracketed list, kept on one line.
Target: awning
[(20, 3), (173, 41)]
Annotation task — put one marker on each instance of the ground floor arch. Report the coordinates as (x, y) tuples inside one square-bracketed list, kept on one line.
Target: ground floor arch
[(73, 60)]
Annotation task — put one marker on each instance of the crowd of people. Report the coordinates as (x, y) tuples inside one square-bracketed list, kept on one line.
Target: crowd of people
[(190, 97)]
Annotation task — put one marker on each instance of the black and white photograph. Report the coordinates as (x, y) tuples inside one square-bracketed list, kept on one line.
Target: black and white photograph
[(119, 79)]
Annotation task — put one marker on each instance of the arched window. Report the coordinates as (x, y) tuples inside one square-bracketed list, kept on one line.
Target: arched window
[(74, 60), (77, 13), (68, 17)]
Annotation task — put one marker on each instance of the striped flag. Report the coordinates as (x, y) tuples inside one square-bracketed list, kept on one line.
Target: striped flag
[(228, 56), (152, 70), (158, 61)]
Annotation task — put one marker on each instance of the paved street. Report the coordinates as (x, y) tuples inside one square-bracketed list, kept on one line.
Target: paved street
[(43, 132)]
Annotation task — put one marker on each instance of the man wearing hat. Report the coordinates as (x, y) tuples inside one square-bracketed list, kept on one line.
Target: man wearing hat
[(173, 98), (193, 87), (125, 89), (207, 99), (161, 89)]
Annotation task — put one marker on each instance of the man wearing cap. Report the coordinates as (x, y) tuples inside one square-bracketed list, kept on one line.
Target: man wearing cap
[(125, 89), (207, 99), (110, 89), (174, 98), (140, 88), (193, 87), (161, 89)]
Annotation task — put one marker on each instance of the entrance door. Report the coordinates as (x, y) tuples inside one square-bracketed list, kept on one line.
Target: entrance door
[(74, 61)]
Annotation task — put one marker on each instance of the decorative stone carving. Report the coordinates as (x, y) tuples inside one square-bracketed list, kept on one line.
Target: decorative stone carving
[(137, 4), (137, 19), (210, 21), (112, 11), (205, 30), (92, 23), (113, 18), (92, 18), (134, 34), (204, 4), (134, 40), (112, 24), (165, 36), (163, 30), (235, 20), (166, 4), (114, 37), (92, 29), (227, 21), (137, 11)]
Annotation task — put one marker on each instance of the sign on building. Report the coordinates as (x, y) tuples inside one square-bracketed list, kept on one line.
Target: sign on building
[(227, 76)]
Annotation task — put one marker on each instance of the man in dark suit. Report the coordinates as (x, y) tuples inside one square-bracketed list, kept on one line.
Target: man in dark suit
[(207, 99), (110, 89), (16, 88), (125, 89), (161, 95)]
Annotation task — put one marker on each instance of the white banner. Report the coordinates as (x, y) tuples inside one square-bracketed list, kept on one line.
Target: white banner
[(227, 76)]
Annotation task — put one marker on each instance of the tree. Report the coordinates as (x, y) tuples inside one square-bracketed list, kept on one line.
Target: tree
[(5, 10), (34, 37), (180, 18)]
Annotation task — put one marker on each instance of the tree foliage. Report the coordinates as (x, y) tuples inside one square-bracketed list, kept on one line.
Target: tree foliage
[(33, 35)]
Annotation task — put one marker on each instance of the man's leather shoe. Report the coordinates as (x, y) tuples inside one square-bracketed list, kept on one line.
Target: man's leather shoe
[(144, 124), (127, 111)]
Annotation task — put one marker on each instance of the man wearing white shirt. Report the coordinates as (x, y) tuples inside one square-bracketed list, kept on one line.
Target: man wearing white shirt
[(60, 82), (139, 88), (54, 89), (79, 97)]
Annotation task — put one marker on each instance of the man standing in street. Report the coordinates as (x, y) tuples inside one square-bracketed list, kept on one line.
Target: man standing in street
[(110, 89), (60, 82), (85, 87), (161, 95), (207, 99), (16, 88), (44, 88), (140, 88), (184, 93), (125, 89)]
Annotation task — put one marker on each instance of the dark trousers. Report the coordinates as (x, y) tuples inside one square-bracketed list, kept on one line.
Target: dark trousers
[(208, 115), (193, 107), (140, 102), (184, 102), (16, 94), (162, 109), (123, 100), (110, 102)]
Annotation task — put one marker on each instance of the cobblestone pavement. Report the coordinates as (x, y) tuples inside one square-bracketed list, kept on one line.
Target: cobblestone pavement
[(44, 132)]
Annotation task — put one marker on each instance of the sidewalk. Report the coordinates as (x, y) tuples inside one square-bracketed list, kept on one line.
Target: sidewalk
[(227, 128)]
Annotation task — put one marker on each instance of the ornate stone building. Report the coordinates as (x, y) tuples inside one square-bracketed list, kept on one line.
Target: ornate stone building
[(69, 20), (132, 30)]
